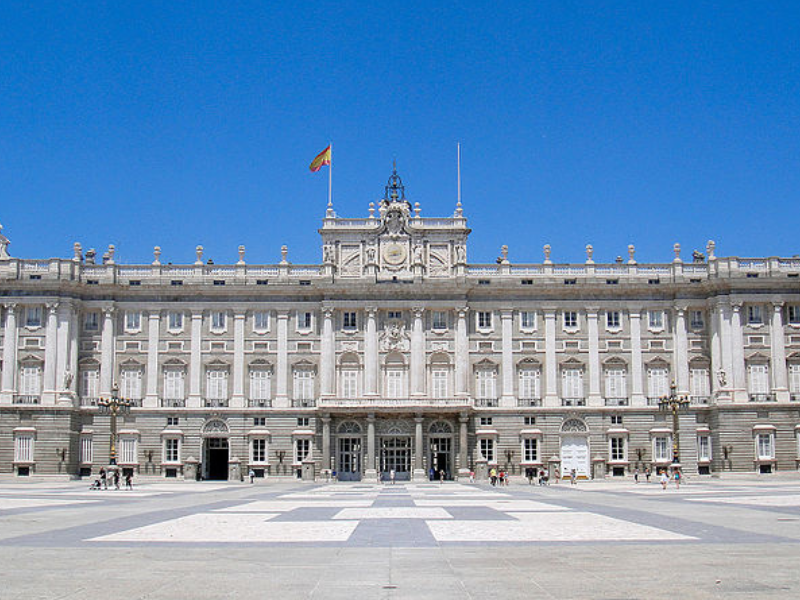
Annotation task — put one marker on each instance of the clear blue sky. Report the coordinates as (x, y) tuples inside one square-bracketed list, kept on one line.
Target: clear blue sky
[(178, 123)]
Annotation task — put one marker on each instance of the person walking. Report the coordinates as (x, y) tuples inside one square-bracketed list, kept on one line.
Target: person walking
[(664, 479), (647, 474), (441, 475), (636, 476), (573, 476), (252, 475), (678, 478), (557, 474), (472, 476), (103, 478), (493, 477), (129, 481), (392, 475), (116, 479)]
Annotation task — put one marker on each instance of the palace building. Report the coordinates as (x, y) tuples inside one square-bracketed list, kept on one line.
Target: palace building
[(397, 354)]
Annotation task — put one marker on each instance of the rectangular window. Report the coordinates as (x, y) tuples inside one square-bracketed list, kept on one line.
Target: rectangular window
[(615, 384), (302, 449), (133, 321), (485, 384), (657, 382), (793, 314), (302, 421), (699, 384), (572, 384), (30, 380), (171, 450), (258, 450), (485, 421), (765, 446), (655, 319), (218, 320), (616, 419), (33, 316), (758, 378), (23, 448), (173, 384), (439, 383), (172, 421), (487, 449), (91, 321), (484, 319), (131, 384), (754, 316), (612, 319), (349, 320), (439, 320), (175, 321), (570, 319), (261, 321), (530, 450), (394, 314), (349, 383), (394, 383), (128, 450), (217, 384), (259, 421), (696, 319), (304, 320), (90, 384), (260, 384), (87, 449), (527, 320), (529, 420), (617, 452), (704, 448), (529, 384), (661, 449), (303, 384), (794, 380)]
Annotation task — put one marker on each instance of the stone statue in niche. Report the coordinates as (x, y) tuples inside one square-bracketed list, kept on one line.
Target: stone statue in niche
[(371, 255), (67, 380), (722, 378), (418, 254), (327, 254), (461, 254)]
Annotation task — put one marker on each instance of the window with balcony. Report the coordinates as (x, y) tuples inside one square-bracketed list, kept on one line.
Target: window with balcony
[(174, 385), (303, 389), (131, 383), (758, 381), (616, 388), (260, 385), (349, 382), (699, 385), (439, 377), (217, 385), (794, 381), (529, 381), (90, 385), (394, 382), (30, 383), (572, 387), (486, 384), (657, 383)]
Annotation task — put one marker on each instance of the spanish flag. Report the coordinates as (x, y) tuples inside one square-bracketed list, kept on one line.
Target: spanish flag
[(323, 159)]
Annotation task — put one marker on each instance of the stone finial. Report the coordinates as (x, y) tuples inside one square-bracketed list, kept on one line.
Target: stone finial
[(546, 249), (111, 250), (504, 254), (371, 210), (241, 255), (711, 246), (677, 250), (284, 254), (631, 254), (77, 252), (589, 254), (198, 251), (3, 245), (157, 255), (417, 210)]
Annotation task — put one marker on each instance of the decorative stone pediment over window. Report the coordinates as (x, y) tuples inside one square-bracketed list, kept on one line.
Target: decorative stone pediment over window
[(657, 362), (615, 361), (757, 357), (571, 363)]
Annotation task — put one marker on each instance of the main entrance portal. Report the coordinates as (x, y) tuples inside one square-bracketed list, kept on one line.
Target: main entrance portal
[(441, 457), (575, 455), (396, 456), (349, 463), (215, 459)]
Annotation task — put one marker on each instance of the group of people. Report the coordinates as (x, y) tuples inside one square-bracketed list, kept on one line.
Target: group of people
[(102, 482), (499, 477), (541, 475), (663, 477)]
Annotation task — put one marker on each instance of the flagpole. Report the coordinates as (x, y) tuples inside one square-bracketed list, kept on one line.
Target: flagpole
[(330, 178), (458, 204)]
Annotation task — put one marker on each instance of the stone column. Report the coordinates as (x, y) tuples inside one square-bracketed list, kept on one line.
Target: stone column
[(737, 341), (716, 347), (74, 334), (370, 472), (638, 397), (107, 352), (281, 385), (507, 322), (681, 352), (419, 472), (50, 353), (371, 353), (326, 442), (463, 446), (551, 368), (62, 351), (237, 398), (9, 354), (462, 353), (417, 355), (153, 325), (595, 397), (195, 365), (327, 359), (780, 382)]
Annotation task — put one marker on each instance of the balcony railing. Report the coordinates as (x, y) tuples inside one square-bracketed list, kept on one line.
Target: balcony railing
[(304, 403), (216, 403), (173, 403), (392, 402), (617, 402), (486, 402), (259, 403), (26, 399), (573, 402), (653, 401), (699, 399), (89, 400), (762, 398), (529, 402)]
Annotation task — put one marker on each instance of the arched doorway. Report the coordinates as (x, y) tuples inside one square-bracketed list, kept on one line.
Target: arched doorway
[(440, 446), (348, 450), (215, 450), (395, 452), (575, 448)]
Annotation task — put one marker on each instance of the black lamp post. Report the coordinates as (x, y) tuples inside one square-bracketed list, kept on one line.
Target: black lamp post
[(114, 406), (674, 404)]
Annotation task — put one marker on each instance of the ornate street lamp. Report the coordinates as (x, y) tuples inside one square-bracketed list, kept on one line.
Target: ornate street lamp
[(114, 406), (674, 404)]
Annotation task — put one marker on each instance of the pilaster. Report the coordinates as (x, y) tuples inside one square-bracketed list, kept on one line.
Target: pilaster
[(681, 351), (50, 353), (327, 355), (195, 366), (595, 398), (9, 354), (506, 324), (417, 354), (638, 397), (737, 341), (462, 352), (780, 383), (551, 368), (281, 385), (237, 398), (371, 353)]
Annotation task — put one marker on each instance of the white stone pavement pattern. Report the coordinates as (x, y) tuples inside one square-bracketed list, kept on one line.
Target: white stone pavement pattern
[(608, 539)]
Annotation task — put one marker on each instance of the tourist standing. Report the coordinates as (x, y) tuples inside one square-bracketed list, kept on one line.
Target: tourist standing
[(252, 475), (129, 481), (116, 479), (664, 479), (647, 474), (636, 476), (103, 478), (678, 478), (573, 477), (392, 475)]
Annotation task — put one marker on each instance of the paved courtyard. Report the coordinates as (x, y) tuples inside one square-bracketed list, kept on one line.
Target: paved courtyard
[(609, 539)]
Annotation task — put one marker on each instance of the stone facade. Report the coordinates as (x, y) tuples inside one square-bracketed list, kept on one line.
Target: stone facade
[(396, 354)]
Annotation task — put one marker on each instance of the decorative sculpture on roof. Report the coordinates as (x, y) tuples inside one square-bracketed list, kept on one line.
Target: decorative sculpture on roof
[(3, 245)]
